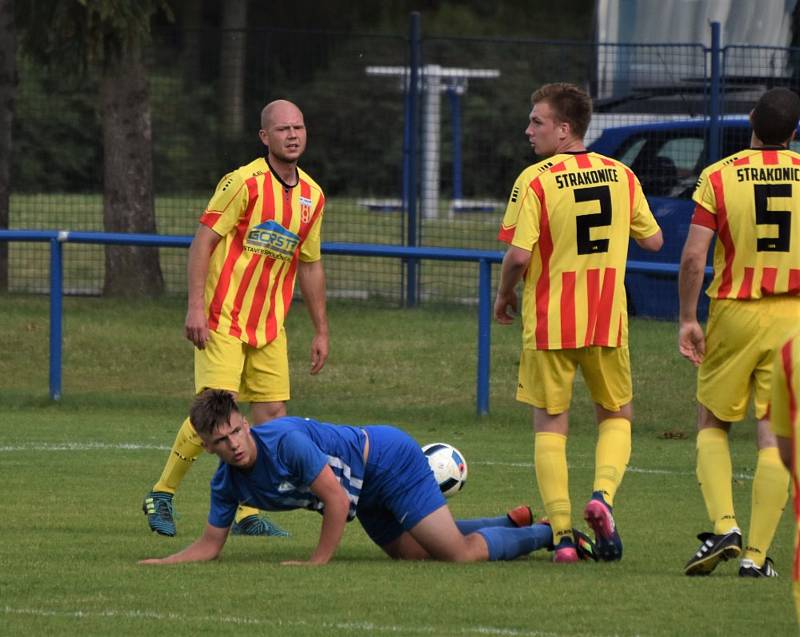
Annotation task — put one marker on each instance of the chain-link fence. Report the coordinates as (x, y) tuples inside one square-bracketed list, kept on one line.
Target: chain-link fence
[(207, 88)]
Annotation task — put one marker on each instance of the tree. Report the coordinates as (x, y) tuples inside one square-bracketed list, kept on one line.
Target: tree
[(232, 65), (8, 88), (109, 37)]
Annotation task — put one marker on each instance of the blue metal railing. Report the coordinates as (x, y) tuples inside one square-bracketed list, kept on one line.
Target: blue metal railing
[(484, 259), (57, 238)]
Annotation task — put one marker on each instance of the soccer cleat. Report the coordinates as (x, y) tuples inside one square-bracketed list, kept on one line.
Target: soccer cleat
[(521, 515), (584, 546), (747, 568), (565, 553), (157, 506), (607, 541), (257, 525), (713, 550)]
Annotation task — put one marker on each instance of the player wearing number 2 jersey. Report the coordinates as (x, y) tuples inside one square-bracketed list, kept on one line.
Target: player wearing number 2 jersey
[(568, 222), (751, 202)]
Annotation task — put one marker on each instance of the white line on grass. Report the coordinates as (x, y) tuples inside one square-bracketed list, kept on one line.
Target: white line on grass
[(82, 446), (132, 446), (351, 627)]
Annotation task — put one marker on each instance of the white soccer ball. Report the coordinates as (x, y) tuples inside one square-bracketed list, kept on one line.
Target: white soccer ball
[(448, 466)]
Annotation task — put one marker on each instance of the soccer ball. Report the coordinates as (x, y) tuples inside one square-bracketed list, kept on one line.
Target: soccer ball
[(448, 466)]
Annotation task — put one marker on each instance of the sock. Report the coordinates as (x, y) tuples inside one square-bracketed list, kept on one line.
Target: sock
[(243, 512), (770, 492), (475, 524), (715, 475), (185, 450), (612, 454), (508, 544), (550, 456)]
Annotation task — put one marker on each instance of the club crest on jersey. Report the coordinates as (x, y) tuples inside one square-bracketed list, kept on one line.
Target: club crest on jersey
[(305, 209), (271, 239)]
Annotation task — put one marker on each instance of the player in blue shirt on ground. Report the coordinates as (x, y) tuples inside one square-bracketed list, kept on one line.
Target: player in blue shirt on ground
[(377, 474)]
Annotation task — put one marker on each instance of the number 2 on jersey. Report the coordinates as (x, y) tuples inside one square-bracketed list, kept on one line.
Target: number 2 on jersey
[(585, 223)]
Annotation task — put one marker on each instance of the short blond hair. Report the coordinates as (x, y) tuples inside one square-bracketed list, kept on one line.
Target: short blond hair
[(570, 104)]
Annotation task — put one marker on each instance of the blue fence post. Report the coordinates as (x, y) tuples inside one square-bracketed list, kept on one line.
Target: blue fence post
[(716, 80), (484, 335), (412, 187), (56, 313)]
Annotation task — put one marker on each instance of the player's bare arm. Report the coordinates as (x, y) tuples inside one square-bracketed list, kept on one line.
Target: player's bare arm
[(311, 278), (334, 518), (515, 262), (691, 340), (207, 547), (203, 244), (652, 243)]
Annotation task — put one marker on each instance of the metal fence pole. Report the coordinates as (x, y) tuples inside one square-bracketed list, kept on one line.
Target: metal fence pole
[(484, 335), (716, 79), (56, 314), (412, 188)]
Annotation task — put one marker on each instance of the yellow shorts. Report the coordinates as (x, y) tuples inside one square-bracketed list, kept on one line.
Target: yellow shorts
[(741, 337), (546, 377), (257, 375)]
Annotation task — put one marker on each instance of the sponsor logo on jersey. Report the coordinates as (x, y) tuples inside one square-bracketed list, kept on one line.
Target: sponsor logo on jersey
[(305, 209), (514, 194), (271, 239)]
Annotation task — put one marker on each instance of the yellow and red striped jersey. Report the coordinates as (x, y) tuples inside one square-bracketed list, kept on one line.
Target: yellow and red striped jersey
[(752, 201), (783, 416), (575, 212), (266, 226)]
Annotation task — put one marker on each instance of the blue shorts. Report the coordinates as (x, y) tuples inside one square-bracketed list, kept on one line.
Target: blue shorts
[(399, 488)]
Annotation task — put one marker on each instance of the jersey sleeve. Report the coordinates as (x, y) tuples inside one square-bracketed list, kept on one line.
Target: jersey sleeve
[(227, 204), (310, 249), (704, 192), (302, 457), (779, 408), (223, 501), (520, 226), (643, 223)]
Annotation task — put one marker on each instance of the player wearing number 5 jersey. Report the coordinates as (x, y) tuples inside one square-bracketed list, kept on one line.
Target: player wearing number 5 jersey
[(568, 222), (751, 202)]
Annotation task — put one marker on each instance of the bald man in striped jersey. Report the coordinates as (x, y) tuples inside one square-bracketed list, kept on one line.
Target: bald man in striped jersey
[(568, 222), (750, 202), (259, 233)]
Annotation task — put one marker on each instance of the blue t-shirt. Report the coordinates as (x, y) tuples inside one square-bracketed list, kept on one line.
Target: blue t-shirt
[(291, 453)]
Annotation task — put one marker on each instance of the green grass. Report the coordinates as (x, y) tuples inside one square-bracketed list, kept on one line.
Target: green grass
[(74, 474)]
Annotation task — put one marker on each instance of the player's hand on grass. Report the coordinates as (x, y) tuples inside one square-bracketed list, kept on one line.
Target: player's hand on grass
[(196, 327), (692, 342), (152, 560), (502, 303)]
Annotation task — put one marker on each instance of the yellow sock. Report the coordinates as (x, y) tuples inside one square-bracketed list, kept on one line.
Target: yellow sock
[(185, 450), (770, 492), (715, 475), (242, 512), (550, 456), (611, 456)]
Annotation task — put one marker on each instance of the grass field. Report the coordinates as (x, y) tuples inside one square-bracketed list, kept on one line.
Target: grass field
[(74, 474)]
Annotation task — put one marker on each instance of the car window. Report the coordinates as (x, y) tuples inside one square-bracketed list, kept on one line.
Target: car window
[(684, 153), (632, 150)]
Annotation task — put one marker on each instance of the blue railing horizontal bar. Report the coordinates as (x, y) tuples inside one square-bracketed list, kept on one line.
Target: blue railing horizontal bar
[(484, 257)]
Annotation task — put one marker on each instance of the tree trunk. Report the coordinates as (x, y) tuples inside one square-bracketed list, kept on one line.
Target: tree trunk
[(8, 91), (232, 64), (128, 200)]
